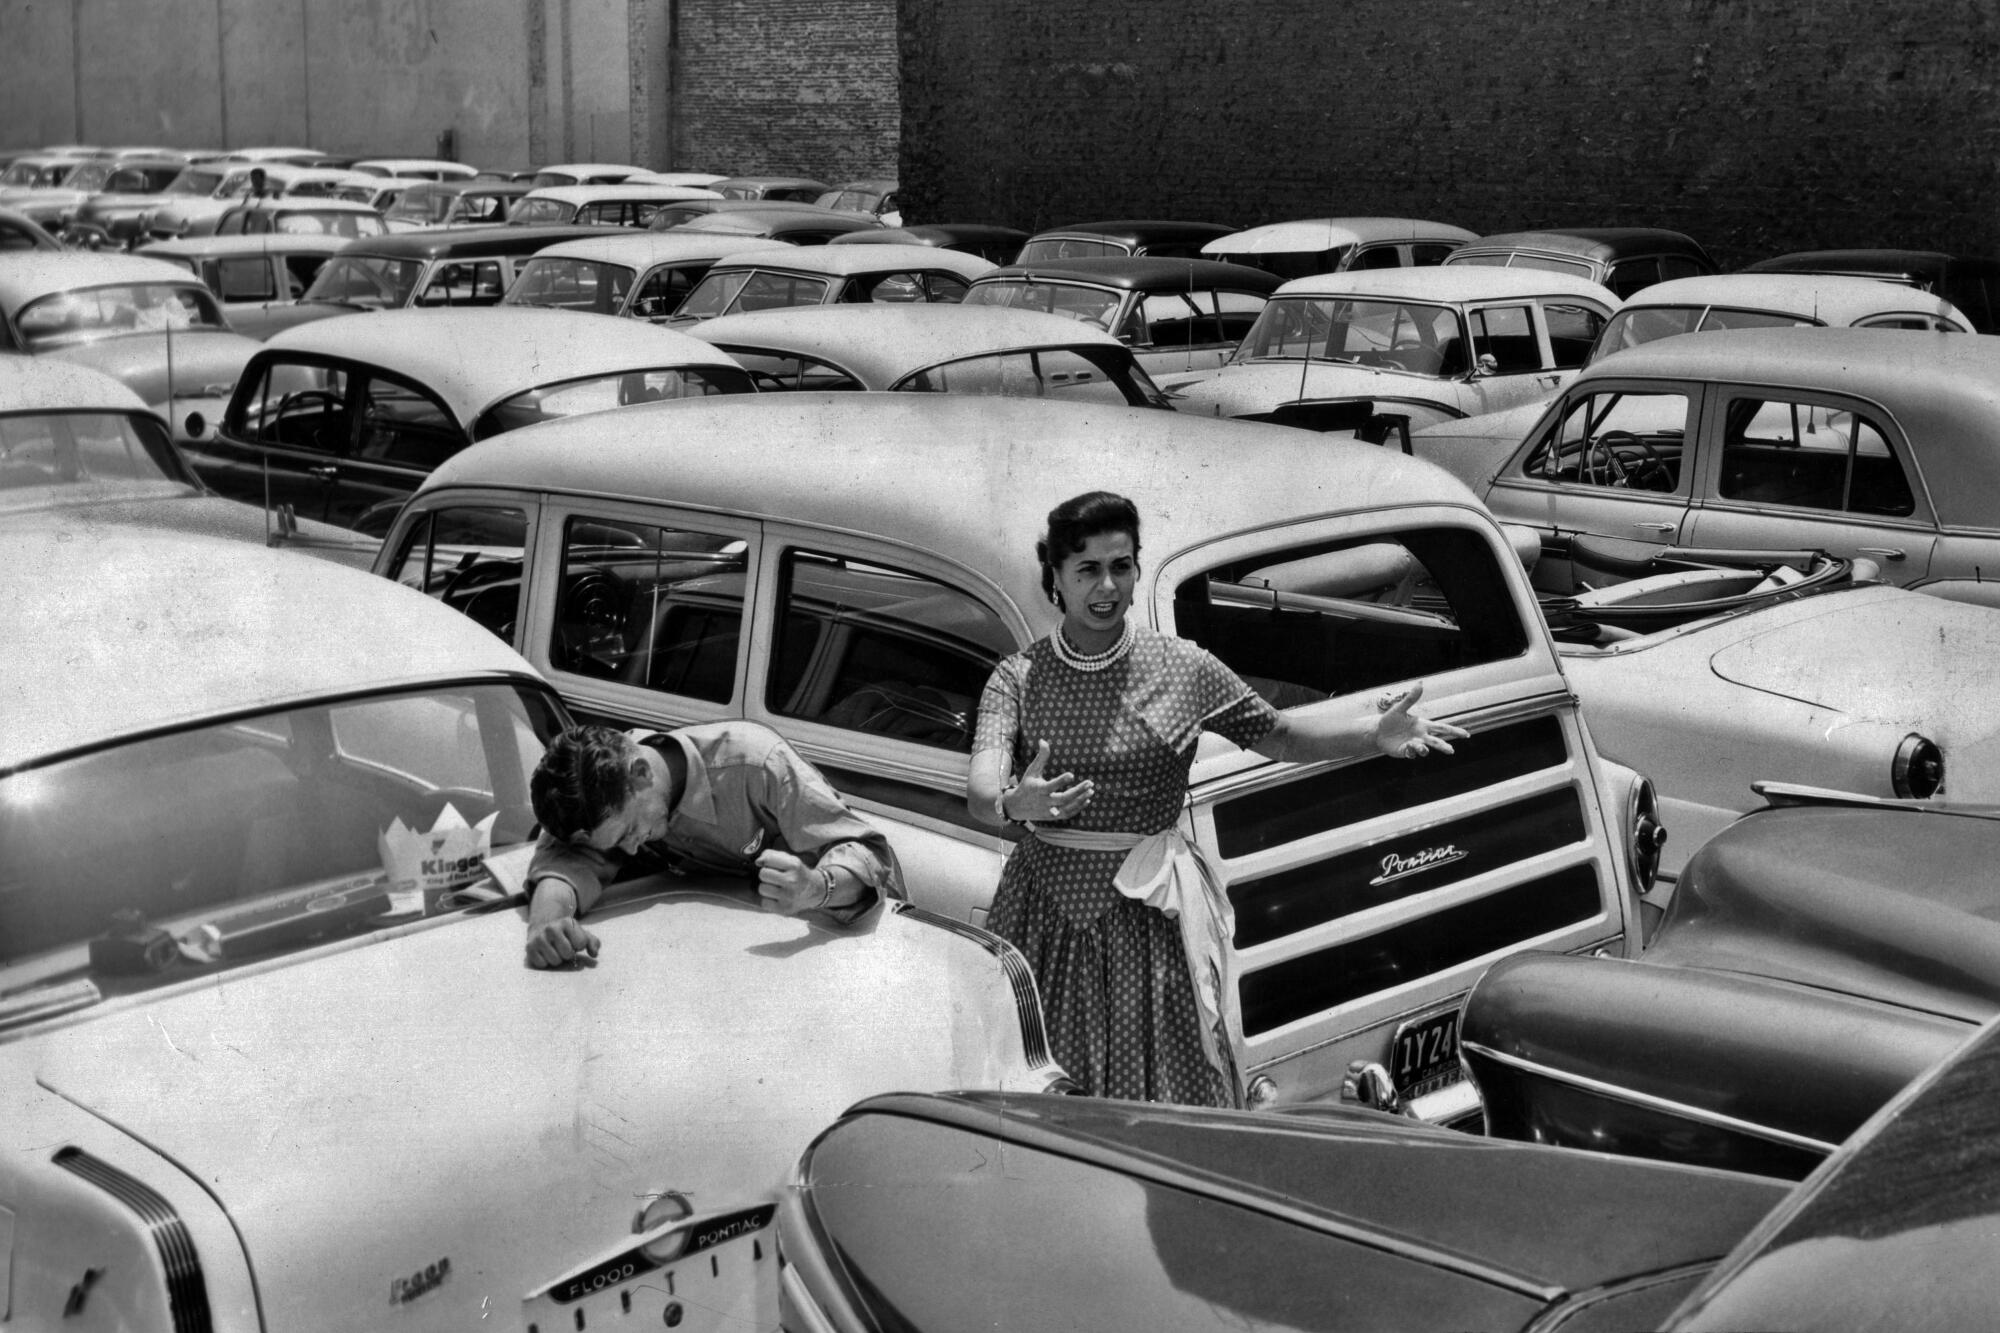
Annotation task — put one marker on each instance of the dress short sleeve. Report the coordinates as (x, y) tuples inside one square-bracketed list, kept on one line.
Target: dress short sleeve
[(1229, 707), (1000, 707)]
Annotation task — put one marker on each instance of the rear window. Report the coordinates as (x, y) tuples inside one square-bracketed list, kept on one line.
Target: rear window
[(601, 393)]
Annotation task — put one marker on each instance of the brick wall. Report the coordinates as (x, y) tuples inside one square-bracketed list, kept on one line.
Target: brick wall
[(786, 87), (1758, 126)]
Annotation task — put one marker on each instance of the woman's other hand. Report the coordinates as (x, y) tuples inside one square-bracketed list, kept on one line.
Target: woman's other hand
[(1041, 799), (1404, 735)]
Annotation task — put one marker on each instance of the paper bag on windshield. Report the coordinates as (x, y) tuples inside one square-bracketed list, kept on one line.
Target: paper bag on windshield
[(423, 867)]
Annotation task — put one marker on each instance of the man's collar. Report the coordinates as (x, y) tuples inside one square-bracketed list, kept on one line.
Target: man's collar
[(697, 797)]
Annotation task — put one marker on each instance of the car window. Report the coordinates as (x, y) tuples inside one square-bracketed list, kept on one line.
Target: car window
[(468, 557), (565, 283), (1070, 248), (1376, 256), (1238, 312), (664, 289), (1055, 372), (1422, 339), (1427, 255), (1615, 438), (1174, 320), (1309, 622), (1091, 305), (1681, 266), (402, 426), (872, 648), (1576, 268), (540, 212), (1573, 329), (888, 289), (296, 405), (90, 313), (782, 371), (1507, 334), (779, 291), (245, 279), (464, 282), (656, 607), (300, 270), (1632, 275), (375, 281), (601, 393), (77, 448), (1810, 456), (945, 288)]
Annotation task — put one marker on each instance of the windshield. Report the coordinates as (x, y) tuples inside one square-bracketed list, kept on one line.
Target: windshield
[(1398, 335), (1091, 305), (420, 206), (1634, 327), (83, 450), (1069, 247), (601, 393), (375, 281), (571, 284), (195, 180), (18, 173), (251, 836), (91, 175), (741, 291), (541, 212), (329, 223), (1068, 374), (92, 313)]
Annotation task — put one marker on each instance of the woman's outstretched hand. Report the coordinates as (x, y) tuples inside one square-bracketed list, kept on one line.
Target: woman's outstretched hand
[(1404, 735), (1040, 799)]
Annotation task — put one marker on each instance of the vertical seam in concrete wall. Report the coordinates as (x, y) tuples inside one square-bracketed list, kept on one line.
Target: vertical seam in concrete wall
[(638, 103), (76, 69), (569, 84), (221, 77), (305, 68), (535, 15)]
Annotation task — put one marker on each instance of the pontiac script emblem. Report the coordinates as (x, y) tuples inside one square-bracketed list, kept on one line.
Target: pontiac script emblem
[(1399, 867)]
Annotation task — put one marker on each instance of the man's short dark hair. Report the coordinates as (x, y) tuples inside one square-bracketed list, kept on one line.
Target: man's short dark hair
[(581, 781)]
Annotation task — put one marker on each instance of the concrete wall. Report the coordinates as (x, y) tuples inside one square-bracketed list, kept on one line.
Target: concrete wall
[(1756, 125), (766, 86)]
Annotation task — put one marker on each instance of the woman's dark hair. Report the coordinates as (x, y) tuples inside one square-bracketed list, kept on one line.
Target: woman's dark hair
[(1074, 522), (582, 779)]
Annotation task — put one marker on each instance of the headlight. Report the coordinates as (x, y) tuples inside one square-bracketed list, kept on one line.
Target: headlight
[(1917, 772), (1646, 834)]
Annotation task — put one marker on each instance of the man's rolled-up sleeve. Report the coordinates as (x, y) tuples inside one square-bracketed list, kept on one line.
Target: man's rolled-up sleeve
[(818, 827), (584, 869)]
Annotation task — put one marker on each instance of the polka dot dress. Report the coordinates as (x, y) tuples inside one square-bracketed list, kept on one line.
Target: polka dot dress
[(1112, 973)]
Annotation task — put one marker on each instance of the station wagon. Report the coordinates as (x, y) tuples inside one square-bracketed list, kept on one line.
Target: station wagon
[(450, 267), (1305, 246), (848, 568)]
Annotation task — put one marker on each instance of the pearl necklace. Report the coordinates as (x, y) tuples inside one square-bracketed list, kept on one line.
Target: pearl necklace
[(1082, 661)]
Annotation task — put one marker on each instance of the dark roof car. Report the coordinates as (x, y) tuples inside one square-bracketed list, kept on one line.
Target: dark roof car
[(987, 240), (1145, 236), (433, 267), (1973, 285), (258, 278), (1624, 259), (771, 189), (1307, 246), (457, 203), (797, 224), (780, 277)]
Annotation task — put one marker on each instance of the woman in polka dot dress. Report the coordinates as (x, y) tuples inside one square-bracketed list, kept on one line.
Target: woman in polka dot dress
[(1087, 737)]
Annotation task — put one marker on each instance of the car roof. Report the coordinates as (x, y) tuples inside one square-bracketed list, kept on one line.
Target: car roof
[(849, 259), (1469, 282), (642, 249), (256, 243), (935, 233), (1307, 234), (967, 475), (474, 356), (1834, 300), (766, 182), (643, 192), (1145, 273), (52, 384), (33, 273), (880, 344), (587, 168), (498, 239), (395, 164), (1866, 263), (418, 189), (204, 627), (1602, 243), (1943, 389), (1135, 230)]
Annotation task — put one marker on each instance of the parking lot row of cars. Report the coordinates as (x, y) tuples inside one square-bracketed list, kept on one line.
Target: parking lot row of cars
[(609, 521)]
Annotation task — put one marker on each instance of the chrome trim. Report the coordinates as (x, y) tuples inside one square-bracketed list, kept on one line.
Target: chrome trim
[(1553, 1318), (187, 1293), (801, 1304), (1027, 999), (1714, 1119)]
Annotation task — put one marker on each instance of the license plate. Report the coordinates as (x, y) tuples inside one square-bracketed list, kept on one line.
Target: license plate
[(1424, 1056), (715, 1272)]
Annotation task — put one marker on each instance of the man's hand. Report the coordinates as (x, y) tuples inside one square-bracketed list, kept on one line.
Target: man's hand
[(555, 937), (787, 884)]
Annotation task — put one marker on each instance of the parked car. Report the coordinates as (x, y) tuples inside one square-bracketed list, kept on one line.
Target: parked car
[(1179, 316), (1625, 259), (20, 232), (700, 180), (38, 171), (786, 558), (200, 194), (1111, 1216), (1309, 246), (415, 168), (122, 178), (296, 215), (795, 224), (1816, 956), (202, 1093), (1971, 284), (1867, 444), (1347, 351), (470, 203), (1087, 240), (1474, 447), (258, 278), (774, 278), (771, 189), (642, 276), (879, 198), (451, 267), (151, 325), (581, 173), (623, 205), (986, 240), (933, 349), (339, 419)]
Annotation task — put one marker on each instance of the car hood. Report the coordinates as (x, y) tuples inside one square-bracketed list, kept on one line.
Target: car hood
[(375, 1109), (1098, 1214), (99, 204), (1240, 390), (41, 201), (1895, 904), (205, 364), (1474, 448)]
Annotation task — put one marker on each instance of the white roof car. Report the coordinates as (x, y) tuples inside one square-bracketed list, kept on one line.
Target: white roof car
[(252, 1080), (830, 274), (934, 348), (1305, 246), (622, 205), (416, 168), (583, 173), (643, 274), (700, 180)]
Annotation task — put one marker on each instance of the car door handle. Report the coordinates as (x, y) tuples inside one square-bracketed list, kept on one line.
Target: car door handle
[(1656, 527), (1886, 552), (323, 473)]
